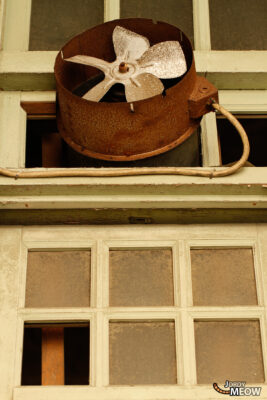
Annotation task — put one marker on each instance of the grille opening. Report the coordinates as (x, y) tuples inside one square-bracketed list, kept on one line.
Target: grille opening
[(39, 347), (231, 145)]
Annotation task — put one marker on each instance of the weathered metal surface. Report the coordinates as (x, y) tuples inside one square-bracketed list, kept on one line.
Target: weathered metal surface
[(142, 353), (228, 350), (141, 278), (53, 275), (223, 277), (53, 356), (185, 155), (112, 131)]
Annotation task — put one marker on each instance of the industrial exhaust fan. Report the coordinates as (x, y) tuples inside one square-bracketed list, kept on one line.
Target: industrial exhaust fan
[(128, 90), (139, 94)]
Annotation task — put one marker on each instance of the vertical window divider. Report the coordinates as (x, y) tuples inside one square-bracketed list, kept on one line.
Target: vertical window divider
[(188, 286), (103, 264), (94, 275), (93, 346), (258, 274), (211, 156), (201, 20), (16, 31), (176, 275), (19, 351), (2, 22), (23, 275), (104, 351), (263, 330), (179, 350), (111, 10), (188, 345), (13, 139)]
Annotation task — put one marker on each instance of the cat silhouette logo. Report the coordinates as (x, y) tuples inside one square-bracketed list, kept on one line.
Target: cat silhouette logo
[(237, 388)]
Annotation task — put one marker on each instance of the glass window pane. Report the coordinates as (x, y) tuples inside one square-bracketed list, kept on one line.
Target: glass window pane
[(53, 23), (142, 353), (223, 277), (58, 279), (238, 24), (228, 350), (175, 12), (141, 277)]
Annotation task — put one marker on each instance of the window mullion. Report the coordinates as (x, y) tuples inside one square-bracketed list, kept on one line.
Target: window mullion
[(201, 18), (209, 139), (16, 31), (111, 10), (188, 345), (13, 131)]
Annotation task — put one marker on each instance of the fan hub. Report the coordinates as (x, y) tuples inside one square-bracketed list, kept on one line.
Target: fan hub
[(123, 67), (130, 70)]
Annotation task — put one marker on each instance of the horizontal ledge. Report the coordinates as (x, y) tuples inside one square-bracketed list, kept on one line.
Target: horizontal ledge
[(164, 392), (245, 189), (34, 70)]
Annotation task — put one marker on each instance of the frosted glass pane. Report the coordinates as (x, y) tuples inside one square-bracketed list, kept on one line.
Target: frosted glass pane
[(141, 277), (228, 350), (223, 277), (142, 353), (58, 279)]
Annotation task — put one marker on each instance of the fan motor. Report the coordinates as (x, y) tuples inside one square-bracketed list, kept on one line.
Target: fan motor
[(114, 129)]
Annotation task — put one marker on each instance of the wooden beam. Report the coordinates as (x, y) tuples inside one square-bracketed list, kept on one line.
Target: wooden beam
[(53, 356), (35, 108)]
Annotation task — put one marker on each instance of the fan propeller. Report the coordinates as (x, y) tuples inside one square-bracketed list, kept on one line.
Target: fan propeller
[(137, 66)]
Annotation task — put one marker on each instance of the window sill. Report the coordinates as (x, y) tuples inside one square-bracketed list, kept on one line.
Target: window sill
[(164, 392), (245, 189)]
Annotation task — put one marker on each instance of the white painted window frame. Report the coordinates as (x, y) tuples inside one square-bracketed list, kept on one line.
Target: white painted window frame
[(100, 240), (17, 60)]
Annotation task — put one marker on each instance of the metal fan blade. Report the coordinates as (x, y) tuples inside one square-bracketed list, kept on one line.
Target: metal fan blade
[(98, 91), (129, 45), (92, 61), (164, 60), (143, 87)]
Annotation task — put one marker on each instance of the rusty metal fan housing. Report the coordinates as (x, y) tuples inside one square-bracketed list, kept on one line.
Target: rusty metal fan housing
[(123, 131)]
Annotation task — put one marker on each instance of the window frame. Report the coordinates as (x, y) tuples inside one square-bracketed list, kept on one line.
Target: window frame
[(100, 240)]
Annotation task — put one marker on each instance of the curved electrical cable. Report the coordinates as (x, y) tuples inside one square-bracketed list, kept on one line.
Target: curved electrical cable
[(87, 172)]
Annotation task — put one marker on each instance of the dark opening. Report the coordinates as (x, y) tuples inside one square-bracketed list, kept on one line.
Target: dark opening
[(76, 355), (76, 352), (231, 145), (32, 357), (45, 148), (40, 133)]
